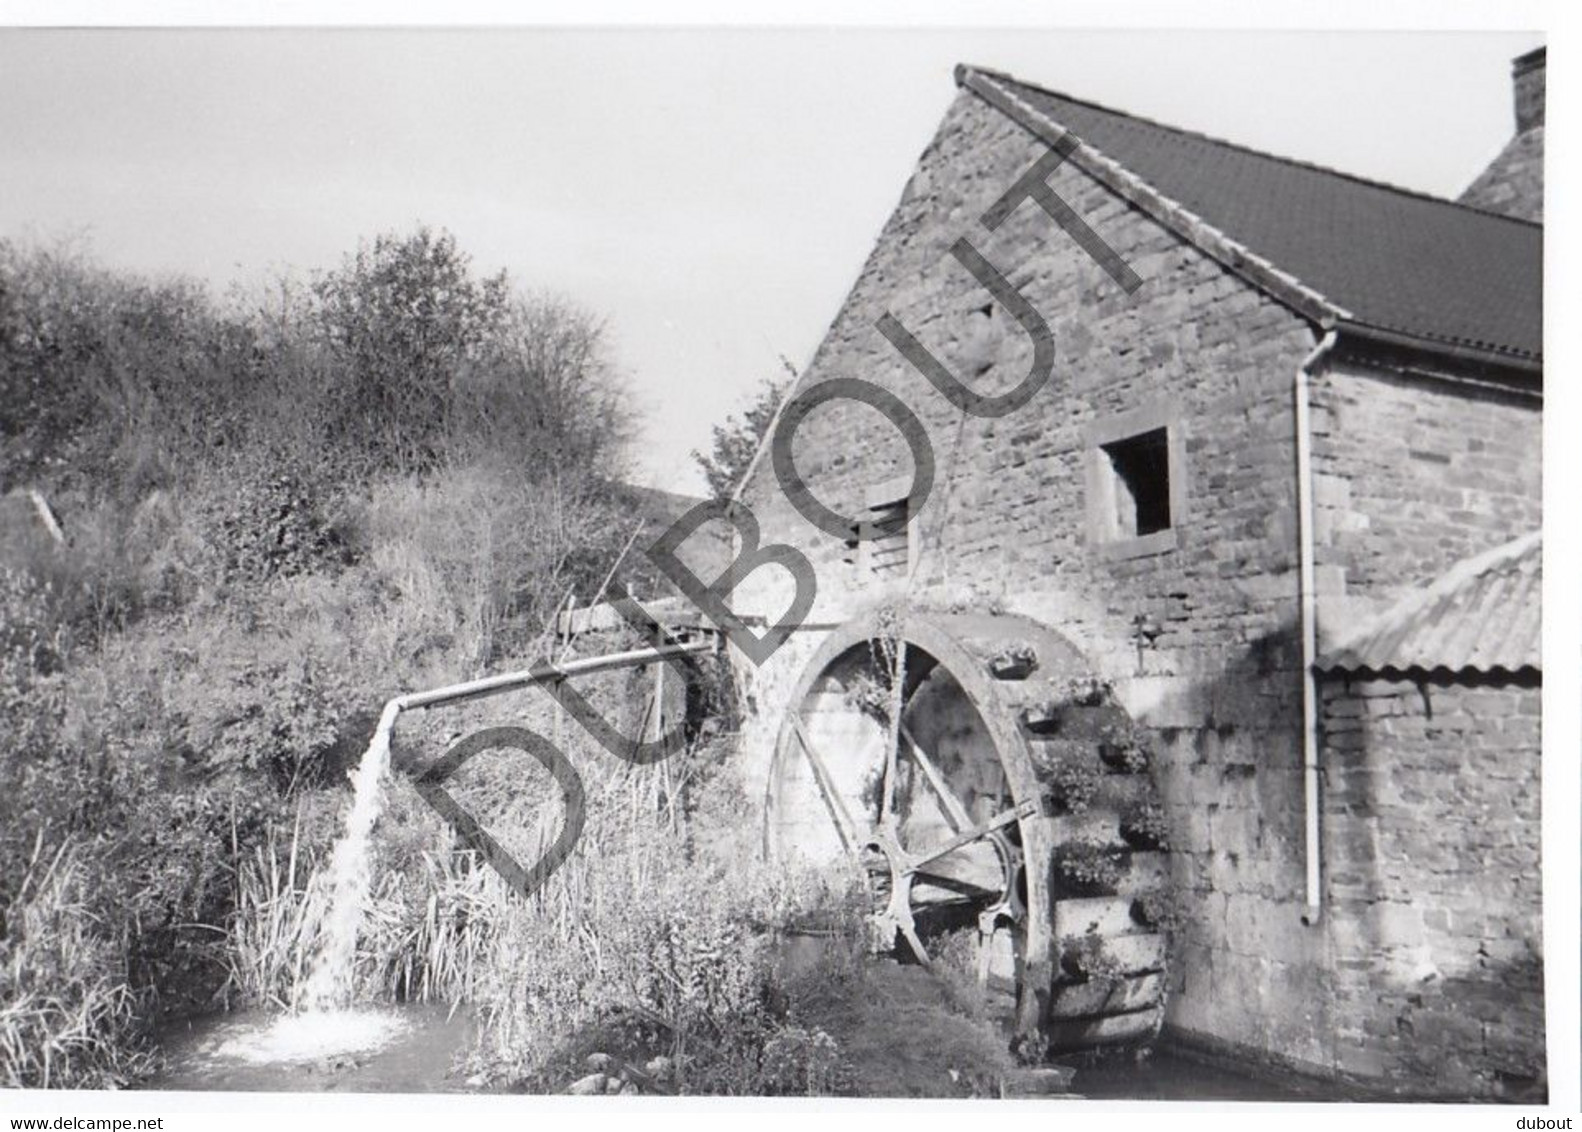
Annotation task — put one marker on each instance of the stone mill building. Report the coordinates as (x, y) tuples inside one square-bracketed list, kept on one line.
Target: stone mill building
[(1215, 708)]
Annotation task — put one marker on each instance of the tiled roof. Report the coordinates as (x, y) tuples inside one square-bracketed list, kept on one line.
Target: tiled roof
[(1396, 260), (1482, 617)]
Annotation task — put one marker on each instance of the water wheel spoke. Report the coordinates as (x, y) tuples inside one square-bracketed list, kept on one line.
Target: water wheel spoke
[(972, 833), (954, 809), (836, 805), (892, 738), (957, 884)]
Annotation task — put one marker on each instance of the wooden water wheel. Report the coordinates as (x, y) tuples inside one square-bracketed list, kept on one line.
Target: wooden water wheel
[(986, 781)]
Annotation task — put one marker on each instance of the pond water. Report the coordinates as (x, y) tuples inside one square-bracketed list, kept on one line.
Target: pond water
[(1168, 1075), (419, 1049), (406, 1049)]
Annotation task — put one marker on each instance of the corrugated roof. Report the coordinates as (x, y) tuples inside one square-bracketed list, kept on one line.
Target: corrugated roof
[(1394, 259), (1482, 617)]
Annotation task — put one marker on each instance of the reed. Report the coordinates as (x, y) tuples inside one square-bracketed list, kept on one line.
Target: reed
[(280, 903), (68, 1018), (424, 937), (429, 941)]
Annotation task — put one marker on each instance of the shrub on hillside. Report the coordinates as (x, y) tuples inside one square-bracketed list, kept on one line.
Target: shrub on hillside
[(484, 556), (402, 359), (107, 378)]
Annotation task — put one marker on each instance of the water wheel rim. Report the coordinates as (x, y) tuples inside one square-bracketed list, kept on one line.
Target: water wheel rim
[(936, 639)]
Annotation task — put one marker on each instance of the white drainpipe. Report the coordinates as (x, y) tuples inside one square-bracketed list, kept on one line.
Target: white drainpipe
[(1304, 508)]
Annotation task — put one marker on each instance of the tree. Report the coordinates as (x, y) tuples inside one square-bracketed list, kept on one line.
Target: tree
[(738, 439), (548, 398), (407, 320), (107, 377)]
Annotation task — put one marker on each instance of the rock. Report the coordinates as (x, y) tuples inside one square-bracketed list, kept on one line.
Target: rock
[(613, 1084), (476, 1081), (659, 1068), (334, 1063), (590, 1085), (1050, 1080), (628, 1089), (601, 1063)]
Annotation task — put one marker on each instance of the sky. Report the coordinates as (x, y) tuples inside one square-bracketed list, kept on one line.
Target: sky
[(710, 193)]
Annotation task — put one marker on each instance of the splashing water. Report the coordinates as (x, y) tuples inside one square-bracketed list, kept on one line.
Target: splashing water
[(329, 983), (308, 1037)]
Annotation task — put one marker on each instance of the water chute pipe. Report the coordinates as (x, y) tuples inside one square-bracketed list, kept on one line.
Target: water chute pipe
[(1304, 519), (545, 673)]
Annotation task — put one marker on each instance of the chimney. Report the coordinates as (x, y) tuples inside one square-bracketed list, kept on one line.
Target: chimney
[(1513, 183), (1527, 76)]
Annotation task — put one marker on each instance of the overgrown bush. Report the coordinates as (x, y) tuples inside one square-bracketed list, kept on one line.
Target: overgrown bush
[(485, 556), (398, 360), (1075, 786), (1159, 909)]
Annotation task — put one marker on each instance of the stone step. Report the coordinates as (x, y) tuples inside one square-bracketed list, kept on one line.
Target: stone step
[(1012, 664), (1101, 997), (1141, 871), (1052, 750), (1120, 792), (1103, 723)]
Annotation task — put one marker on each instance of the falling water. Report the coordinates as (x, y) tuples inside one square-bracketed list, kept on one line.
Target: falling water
[(329, 983)]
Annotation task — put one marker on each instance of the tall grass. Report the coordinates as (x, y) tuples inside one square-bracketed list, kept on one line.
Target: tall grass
[(276, 921), (432, 944), (657, 936), (67, 1016), (425, 937)]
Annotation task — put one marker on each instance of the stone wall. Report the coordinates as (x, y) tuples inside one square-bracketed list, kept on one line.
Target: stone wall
[(1513, 183), (1432, 846), (1411, 476)]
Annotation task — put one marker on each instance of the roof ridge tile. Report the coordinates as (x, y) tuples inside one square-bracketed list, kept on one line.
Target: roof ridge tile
[(1240, 147)]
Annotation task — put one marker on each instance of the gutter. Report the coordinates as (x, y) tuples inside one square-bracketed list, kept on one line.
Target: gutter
[(1313, 910), (1528, 367)]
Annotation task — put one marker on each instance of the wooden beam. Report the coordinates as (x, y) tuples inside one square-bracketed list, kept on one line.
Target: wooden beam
[(955, 812), (838, 813)]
